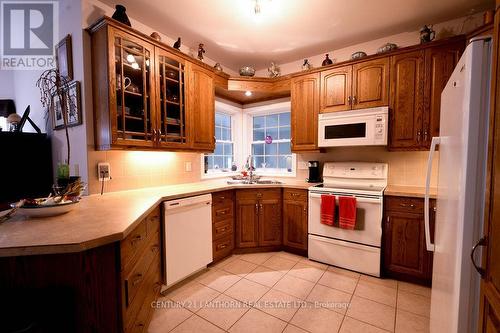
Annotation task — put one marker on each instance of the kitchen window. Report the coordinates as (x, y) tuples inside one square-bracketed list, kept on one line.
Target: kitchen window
[(270, 143), (222, 160)]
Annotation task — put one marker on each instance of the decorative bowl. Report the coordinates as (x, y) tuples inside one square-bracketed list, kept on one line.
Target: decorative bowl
[(47, 210), (247, 71), (386, 48), (358, 55)]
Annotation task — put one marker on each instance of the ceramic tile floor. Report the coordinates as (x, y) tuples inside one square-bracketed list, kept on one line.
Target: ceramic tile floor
[(282, 292)]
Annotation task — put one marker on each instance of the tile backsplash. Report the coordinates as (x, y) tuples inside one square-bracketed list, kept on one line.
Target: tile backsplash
[(405, 168), (138, 169)]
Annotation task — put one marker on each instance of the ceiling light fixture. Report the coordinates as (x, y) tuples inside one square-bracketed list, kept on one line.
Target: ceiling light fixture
[(248, 93)]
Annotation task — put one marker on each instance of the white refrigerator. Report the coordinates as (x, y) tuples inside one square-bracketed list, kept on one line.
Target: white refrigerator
[(462, 146)]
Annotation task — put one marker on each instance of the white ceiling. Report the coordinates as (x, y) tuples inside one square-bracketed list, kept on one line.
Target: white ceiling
[(287, 30)]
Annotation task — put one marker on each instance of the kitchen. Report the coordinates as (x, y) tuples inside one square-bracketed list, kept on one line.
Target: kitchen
[(340, 188)]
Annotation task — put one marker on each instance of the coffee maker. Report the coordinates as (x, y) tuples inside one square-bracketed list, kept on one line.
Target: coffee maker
[(314, 174)]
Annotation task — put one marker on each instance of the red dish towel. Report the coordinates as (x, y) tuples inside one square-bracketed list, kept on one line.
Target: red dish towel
[(327, 209), (347, 212)]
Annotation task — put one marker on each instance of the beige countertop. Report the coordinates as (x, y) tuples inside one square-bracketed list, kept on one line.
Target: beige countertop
[(409, 191), (98, 220)]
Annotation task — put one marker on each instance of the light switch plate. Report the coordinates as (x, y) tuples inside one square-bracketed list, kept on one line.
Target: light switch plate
[(188, 166), (303, 165), (103, 171)]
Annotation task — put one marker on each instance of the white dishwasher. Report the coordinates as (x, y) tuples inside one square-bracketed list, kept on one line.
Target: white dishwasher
[(188, 236)]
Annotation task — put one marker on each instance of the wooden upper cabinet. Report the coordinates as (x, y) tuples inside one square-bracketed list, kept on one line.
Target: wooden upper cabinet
[(370, 84), (148, 95), (439, 65), (406, 103), (336, 89), (170, 100), (200, 106), (304, 113)]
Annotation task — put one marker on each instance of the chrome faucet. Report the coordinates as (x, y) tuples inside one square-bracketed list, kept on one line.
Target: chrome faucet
[(250, 168)]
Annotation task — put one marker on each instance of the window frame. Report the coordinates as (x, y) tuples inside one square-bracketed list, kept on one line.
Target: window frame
[(236, 138), (249, 113)]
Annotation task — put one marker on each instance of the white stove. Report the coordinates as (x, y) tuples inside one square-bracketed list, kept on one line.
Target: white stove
[(358, 249)]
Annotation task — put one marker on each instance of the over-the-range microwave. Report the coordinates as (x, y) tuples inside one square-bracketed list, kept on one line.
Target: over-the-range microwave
[(364, 127)]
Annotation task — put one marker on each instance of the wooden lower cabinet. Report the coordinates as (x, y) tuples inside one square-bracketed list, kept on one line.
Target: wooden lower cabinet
[(405, 256), (295, 219), (141, 277), (222, 224), (258, 218), (104, 289)]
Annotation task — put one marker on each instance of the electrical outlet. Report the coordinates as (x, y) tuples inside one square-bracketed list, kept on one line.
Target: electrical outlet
[(188, 166), (103, 171)]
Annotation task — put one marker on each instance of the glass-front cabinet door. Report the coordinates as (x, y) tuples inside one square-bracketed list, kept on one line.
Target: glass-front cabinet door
[(132, 76), (171, 99)]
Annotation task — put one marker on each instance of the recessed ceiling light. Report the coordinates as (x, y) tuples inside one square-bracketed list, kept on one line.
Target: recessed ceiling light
[(248, 93)]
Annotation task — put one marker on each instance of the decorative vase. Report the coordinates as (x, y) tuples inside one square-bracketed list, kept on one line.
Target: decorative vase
[(120, 15), (327, 61), (306, 65)]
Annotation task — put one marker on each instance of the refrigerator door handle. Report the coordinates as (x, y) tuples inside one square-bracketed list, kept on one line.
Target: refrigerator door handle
[(435, 141), (481, 242)]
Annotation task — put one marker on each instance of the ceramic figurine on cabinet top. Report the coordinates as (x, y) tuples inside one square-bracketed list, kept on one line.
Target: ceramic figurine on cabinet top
[(218, 67), (201, 50), (274, 70), (306, 65), (357, 55), (156, 36), (120, 15), (427, 34), (327, 61), (177, 44)]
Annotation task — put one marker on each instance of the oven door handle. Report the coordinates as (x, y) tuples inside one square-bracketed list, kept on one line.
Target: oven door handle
[(358, 199)]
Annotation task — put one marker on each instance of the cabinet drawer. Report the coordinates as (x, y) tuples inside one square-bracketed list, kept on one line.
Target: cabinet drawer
[(222, 199), (136, 241), (403, 204), (135, 279), (222, 228), (259, 194), (221, 213), (136, 316), (294, 194), (222, 247)]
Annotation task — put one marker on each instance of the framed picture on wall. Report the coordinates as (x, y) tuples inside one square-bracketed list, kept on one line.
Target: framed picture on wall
[(64, 58), (70, 108), (73, 104), (57, 112)]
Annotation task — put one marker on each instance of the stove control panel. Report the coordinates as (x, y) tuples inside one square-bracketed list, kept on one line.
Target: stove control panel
[(355, 170)]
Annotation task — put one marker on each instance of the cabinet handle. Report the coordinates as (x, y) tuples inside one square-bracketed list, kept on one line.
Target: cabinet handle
[(261, 210), (305, 210), (222, 198), (435, 209), (425, 135), (222, 230), (137, 279), (419, 134), (257, 209), (388, 219), (354, 99), (406, 205), (349, 100), (223, 246), (481, 242)]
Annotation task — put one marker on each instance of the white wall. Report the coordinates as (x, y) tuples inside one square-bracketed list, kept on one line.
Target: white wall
[(6, 87), (444, 29)]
